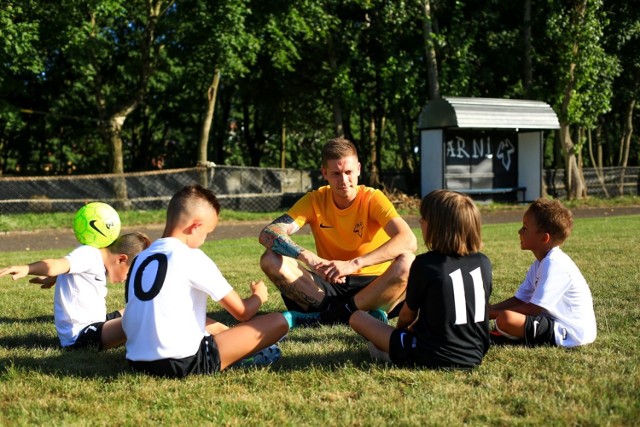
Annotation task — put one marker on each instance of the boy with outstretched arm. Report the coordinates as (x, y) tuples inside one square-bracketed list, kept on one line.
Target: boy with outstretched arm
[(80, 311)]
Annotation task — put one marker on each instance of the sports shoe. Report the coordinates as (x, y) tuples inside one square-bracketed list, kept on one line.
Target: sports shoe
[(296, 319), (264, 357), (379, 314), (378, 355), (395, 312)]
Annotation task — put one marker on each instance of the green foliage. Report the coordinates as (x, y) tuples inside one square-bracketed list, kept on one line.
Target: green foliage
[(325, 376), (288, 68), (578, 35)]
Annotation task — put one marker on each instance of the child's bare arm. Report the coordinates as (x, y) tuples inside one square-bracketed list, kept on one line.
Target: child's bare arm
[(245, 309), (507, 304), (46, 267), (406, 318), (517, 305)]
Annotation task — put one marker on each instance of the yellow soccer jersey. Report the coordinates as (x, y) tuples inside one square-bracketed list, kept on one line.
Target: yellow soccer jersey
[(343, 234)]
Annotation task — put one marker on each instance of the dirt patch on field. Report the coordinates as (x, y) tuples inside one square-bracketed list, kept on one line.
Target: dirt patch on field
[(61, 239)]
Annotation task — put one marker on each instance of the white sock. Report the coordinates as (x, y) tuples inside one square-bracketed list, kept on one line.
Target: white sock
[(511, 337)]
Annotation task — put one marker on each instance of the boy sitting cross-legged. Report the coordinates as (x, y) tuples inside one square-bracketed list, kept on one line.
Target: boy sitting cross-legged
[(168, 332), (553, 305)]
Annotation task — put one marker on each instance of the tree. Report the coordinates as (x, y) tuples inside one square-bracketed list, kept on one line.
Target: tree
[(114, 51), (20, 59), (430, 51), (585, 76), (210, 42), (623, 40)]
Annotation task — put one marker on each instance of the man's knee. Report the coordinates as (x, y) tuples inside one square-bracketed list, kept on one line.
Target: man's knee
[(270, 262), (402, 265)]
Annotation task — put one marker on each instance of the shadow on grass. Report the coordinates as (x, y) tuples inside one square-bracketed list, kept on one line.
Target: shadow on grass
[(41, 352), (112, 364), (30, 341), (38, 319), (333, 361), (65, 363)]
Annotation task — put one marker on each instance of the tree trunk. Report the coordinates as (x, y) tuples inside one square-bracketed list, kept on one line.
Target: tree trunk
[(338, 122), (203, 144), (405, 149), (627, 134), (596, 166), (576, 187), (625, 143), (113, 118), (283, 142), (111, 133), (527, 75), (224, 125), (374, 174), (430, 52)]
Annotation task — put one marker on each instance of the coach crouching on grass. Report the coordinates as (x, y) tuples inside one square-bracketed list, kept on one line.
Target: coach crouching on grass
[(365, 249)]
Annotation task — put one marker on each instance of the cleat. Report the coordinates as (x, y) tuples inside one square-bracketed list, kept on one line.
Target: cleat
[(296, 319), (264, 357), (379, 314)]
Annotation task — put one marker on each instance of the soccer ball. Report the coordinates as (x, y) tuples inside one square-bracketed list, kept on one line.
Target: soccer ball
[(96, 224)]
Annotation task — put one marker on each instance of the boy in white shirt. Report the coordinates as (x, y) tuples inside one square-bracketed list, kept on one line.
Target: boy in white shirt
[(168, 333), (553, 305), (80, 311)]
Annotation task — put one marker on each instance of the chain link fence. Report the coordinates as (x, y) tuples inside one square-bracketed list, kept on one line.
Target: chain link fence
[(238, 188), (605, 182)]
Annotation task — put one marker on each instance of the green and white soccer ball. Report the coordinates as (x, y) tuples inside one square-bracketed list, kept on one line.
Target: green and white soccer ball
[(96, 224)]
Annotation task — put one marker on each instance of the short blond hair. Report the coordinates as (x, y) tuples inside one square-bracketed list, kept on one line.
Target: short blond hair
[(453, 223), (338, 148)]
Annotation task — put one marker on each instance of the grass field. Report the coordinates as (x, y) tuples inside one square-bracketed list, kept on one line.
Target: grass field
[(325, 376)]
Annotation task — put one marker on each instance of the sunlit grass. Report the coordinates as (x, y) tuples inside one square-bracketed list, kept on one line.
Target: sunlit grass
[(325, 376)]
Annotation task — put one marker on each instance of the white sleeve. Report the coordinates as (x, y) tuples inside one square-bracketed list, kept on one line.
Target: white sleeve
[(528, 286), (553, 283), (208, 278), (85, 259)]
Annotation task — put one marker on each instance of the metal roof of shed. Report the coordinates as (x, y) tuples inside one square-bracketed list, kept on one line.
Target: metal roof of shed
[(487, 113)]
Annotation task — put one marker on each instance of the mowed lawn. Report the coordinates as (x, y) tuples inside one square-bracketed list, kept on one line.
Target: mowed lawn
[(325, 376)]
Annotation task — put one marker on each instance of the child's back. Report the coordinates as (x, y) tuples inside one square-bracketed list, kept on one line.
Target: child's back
[(451, 294), (79, 298), (444, 321)]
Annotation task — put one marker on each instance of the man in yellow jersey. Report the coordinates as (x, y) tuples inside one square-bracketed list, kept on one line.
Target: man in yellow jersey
[(364, 248)]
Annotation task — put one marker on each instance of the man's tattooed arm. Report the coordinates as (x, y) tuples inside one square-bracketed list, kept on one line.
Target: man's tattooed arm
[(275, 236)]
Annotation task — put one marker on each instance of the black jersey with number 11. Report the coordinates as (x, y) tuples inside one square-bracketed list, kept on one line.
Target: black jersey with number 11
[(452, 294)]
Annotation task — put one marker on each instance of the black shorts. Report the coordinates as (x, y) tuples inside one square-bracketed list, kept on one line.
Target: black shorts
[(332, 293), (91, 335), (405, 352), (205, 361), (402, 346), (538, 330)]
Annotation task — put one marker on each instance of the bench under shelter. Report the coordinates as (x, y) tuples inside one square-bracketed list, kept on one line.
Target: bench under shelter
[(491, 149)]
